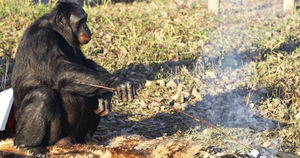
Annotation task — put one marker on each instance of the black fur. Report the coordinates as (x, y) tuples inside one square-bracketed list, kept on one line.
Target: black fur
[(50, 102)]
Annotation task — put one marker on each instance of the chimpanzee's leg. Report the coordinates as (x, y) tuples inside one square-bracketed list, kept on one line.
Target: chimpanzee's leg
[(38, 120), (103, 109), (82, 120), (79, 117)]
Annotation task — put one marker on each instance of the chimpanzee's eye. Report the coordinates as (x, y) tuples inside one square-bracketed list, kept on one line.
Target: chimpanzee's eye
[(81, 22)]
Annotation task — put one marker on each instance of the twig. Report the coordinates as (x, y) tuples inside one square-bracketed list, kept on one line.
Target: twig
[(98, 86)]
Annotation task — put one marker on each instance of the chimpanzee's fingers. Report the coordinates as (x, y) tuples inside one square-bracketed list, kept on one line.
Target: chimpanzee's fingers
[(100, 107), (107, 108), (134, 89), (135, 92), (109, 104), (124, 92), (129, 91), (119, 92)]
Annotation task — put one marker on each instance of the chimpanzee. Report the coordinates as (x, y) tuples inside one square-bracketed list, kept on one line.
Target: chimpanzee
[(51, 105)]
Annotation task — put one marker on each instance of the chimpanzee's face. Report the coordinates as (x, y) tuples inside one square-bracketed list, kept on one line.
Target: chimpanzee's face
[(73, 25), (78, 19)]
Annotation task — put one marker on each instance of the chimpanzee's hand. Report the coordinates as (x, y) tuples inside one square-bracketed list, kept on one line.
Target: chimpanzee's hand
[(104, 105), (125, 90)]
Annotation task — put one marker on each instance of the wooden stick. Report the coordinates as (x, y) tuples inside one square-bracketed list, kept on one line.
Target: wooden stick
[(288, 5), (213, 6)]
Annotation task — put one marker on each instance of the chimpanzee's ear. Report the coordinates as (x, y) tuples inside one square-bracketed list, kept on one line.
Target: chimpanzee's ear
[(60, 20)]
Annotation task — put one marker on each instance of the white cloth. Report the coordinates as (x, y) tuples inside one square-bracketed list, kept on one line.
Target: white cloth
[(6, 101)]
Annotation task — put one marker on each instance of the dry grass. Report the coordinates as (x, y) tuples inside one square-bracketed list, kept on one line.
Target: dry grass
[(279, 72)]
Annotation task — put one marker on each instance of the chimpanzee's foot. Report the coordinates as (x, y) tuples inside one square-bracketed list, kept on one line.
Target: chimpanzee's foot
[(66, 141), (39, 151)]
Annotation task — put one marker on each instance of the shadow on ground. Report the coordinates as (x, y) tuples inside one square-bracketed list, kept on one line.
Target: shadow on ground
[(231, 109), (220, 110), (288, 47)]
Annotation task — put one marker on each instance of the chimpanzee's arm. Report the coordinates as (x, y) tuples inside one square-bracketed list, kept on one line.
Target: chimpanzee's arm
[(91, 64), (70, 75), (56, 64)]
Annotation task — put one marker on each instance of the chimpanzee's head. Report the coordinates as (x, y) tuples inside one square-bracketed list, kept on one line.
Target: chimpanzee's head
[(71, 21)]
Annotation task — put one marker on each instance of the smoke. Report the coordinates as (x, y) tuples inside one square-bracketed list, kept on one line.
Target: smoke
[(227, 68)]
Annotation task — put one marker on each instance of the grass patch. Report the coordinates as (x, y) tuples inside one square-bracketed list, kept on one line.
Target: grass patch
[(145, 33), (279, 72)]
